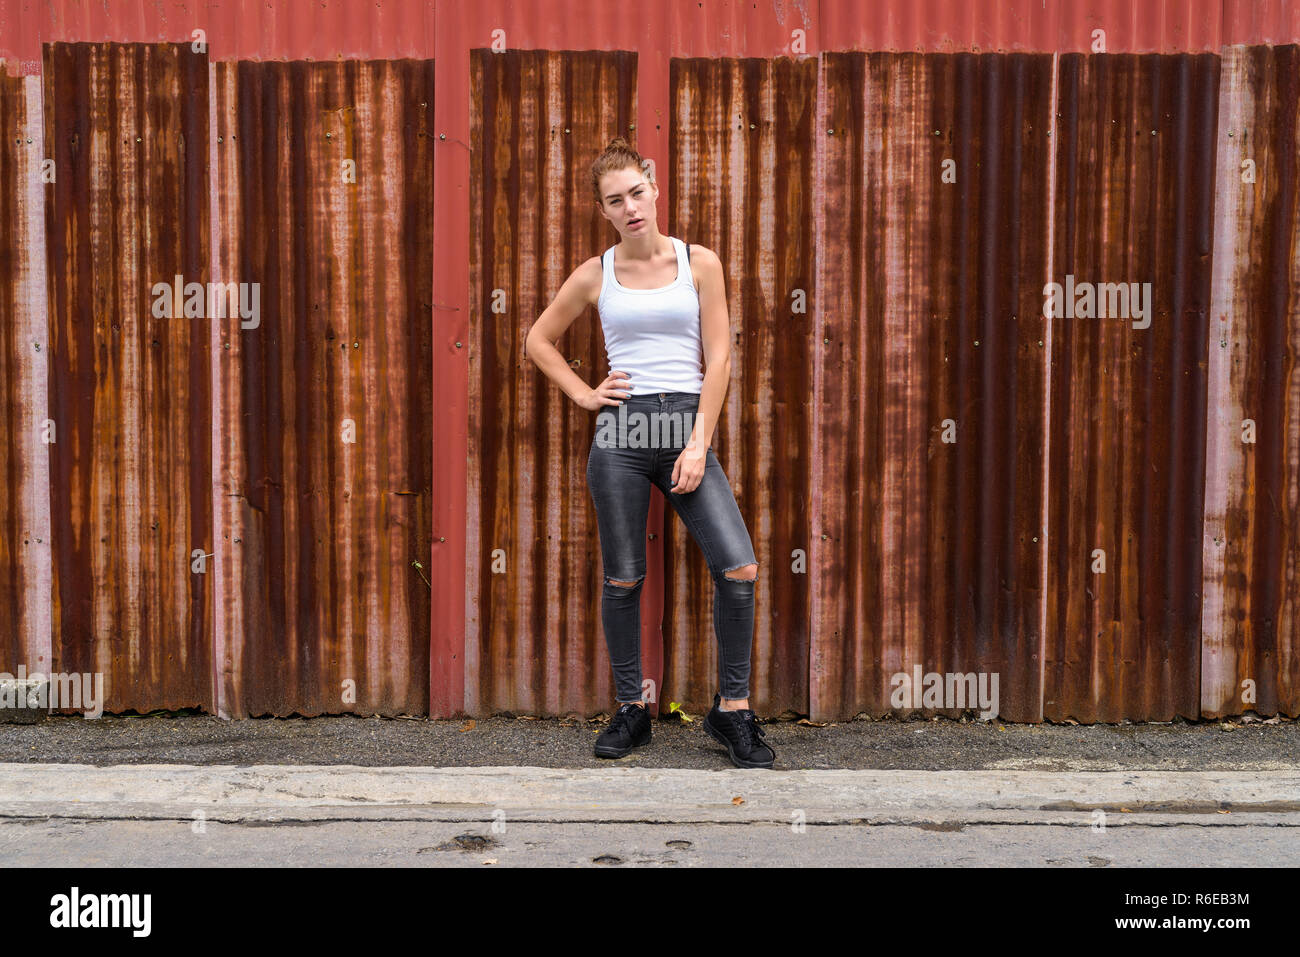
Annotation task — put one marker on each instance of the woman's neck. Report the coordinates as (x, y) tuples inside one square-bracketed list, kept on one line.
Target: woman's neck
[(642, 247)]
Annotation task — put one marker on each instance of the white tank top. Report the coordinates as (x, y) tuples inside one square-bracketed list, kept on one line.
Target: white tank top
[(653, 334)]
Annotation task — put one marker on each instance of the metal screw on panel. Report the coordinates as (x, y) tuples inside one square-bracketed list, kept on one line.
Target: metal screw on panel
[(356, 345), (826, 342), (458, 345), (442, 136), (1153, 132), (936, 132), (1040, 342), (441, 539), (751, 126), (631, 126), (221, 139), (37, 345), (566, 129), (1229, 132), (977, 342), (652, 536), (329, 135), (831, 131)]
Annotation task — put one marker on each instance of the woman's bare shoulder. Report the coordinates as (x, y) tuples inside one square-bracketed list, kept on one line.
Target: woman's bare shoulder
[(705, 251), (587, 278), (703, 259)]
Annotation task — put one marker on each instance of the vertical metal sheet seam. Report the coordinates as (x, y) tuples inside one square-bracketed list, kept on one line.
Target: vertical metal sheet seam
[(220, 570), (1046, 530), (40, 612), (472, 666), (448, 561), (1214, 650), (815, 550)]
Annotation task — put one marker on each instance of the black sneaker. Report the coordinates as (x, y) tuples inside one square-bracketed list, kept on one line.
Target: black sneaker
[(739, 732), (628, 729)]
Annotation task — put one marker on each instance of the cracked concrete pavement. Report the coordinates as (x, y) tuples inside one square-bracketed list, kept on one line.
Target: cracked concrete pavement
[(167, 789)]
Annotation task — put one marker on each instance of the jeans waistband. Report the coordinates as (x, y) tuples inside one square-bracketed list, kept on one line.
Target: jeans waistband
[(663, 399)]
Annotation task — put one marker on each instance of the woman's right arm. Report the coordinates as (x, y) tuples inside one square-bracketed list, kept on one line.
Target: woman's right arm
[(570, 302)]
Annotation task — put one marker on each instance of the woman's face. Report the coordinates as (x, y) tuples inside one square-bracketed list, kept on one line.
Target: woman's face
[(629, 201)]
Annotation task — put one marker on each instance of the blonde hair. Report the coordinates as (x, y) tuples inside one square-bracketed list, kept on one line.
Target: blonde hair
[(618, 155)]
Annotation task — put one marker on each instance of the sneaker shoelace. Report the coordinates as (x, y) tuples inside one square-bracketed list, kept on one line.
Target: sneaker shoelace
[(750, 730), (622, 717)]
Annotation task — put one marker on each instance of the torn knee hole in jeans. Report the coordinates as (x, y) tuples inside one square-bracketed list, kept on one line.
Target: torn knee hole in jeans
[(623, 584), (742, 573)]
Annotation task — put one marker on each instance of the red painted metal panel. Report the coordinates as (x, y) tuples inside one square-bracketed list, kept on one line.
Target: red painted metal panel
[(1162, 26), (232, 29), (1261, 22), (1250, 657), (324, 176), (334, 29), (24, 347), (451, 584), (129, 389)]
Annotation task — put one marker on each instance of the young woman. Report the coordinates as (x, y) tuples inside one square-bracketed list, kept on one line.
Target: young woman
[(663, 309)]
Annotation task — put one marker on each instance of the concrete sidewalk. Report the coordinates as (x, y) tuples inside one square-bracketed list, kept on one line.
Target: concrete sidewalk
[(648, 795)]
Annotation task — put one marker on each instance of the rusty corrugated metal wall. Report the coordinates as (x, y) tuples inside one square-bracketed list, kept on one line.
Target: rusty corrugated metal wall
[(1251, 625), (129, 394), (323, 186), (930, 396), (1134, 188), (25, 629), (745, 189), (917, 173), (534, 550)]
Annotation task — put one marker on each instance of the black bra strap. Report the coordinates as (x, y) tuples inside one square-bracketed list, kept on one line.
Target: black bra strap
[(688, 252)]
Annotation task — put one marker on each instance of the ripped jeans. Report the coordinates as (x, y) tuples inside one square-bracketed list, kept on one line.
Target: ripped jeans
[(636, 444)]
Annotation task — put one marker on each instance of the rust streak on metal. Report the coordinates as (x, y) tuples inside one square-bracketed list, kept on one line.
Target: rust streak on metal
[(533, 636), (744, 188), (324, 174), (129, 384)]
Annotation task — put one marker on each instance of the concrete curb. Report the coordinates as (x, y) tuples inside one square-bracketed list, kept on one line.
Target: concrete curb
[(324, 792)]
